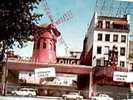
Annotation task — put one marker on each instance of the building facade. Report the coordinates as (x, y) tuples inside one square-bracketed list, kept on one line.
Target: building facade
[(110, 32), (106, 33), (130, 57)]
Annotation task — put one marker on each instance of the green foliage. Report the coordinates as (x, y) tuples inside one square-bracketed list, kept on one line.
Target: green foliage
[(131, 56), (17, 22)]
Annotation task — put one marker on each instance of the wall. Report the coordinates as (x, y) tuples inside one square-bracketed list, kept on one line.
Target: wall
[(103, 43)]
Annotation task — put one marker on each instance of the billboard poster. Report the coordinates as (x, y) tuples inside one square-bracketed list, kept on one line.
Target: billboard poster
[(26, 77), (64, 80), (45, 72), (59, 80)]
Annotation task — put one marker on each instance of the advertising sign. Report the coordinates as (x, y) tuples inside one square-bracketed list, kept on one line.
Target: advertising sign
[(123, 76), (45, 72), (130, 77), (59, 80), (26, 77), (64, 80)]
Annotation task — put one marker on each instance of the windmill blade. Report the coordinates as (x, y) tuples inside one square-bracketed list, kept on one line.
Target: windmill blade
[(66, 16), (62, 41), (47, 11)]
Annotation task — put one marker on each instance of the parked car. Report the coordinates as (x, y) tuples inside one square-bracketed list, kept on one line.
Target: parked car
[(101, 97), (24, 92), (129, 97), (72, 95)]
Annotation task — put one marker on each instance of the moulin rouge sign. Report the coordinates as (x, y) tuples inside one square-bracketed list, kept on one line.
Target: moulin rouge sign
[(72, 61)]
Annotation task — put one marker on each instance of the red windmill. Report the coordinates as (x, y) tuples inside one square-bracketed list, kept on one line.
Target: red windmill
[(44, 50)]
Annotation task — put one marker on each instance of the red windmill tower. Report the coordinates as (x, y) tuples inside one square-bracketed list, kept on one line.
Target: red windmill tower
[(44, 50)]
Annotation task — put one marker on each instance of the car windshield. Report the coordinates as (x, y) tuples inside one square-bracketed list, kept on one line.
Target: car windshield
[(26, 89), (102, 95), (73, 93)]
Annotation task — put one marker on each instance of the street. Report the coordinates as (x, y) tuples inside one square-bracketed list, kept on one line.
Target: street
[(30, 98)]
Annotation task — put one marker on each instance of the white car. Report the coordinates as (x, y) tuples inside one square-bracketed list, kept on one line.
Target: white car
[(24, 92), (129, 97), (101, 97), (72, 95)]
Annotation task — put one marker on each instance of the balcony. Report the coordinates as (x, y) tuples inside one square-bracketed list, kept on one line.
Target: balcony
[(114, 26), (112, 30)]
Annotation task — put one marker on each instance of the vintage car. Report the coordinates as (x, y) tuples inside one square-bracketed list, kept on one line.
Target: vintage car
[(101, 97), (24, 92), (72, 95)]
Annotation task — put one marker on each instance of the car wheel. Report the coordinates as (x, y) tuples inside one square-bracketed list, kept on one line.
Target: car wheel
[(30, 95), (14, 94), (65, 98)]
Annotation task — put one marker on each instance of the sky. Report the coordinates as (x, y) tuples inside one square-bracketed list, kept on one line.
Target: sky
[(73, 31)]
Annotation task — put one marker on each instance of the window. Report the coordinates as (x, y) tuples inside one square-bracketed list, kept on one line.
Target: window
[(107, 24), (34, 46), (99, 50), (100, 24), (44, 45), (107, 37), (115, 38), (122, 51), (122, 63), (98, 62), (105, 62), (99, 37), (38, 44), (106, 50), (123, 38)]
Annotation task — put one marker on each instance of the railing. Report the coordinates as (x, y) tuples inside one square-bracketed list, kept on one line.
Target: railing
[(112, 30)]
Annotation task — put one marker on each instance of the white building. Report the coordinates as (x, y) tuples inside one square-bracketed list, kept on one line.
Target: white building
[(103, 33), (109, 32)]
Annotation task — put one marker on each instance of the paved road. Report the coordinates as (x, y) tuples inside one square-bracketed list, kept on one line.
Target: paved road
[(30, 98)]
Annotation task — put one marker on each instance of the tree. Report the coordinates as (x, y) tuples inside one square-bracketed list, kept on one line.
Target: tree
[(130, 55), (17, 25), (17, 22)]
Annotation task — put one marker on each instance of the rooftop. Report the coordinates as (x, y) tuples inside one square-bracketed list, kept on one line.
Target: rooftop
[(112, 18)]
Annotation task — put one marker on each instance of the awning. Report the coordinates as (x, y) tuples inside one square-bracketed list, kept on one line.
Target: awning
[(120, 22)]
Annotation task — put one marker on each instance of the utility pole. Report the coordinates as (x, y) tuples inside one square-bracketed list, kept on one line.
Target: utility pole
[(4, 75), (90, 84)]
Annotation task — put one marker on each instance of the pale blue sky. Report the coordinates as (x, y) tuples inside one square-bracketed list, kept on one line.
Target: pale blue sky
[(73, 31)]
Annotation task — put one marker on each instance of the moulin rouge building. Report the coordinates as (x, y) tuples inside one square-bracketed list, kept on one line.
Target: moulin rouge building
[(82, 74)]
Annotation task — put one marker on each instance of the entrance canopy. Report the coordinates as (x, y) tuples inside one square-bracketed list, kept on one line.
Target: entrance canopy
[(60, 68)]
